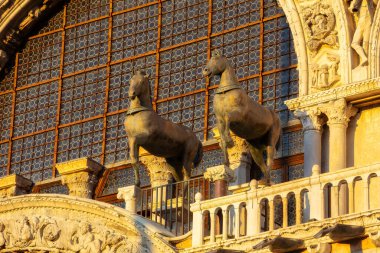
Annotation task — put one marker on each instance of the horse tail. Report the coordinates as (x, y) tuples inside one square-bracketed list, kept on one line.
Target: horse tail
[(198, 157)]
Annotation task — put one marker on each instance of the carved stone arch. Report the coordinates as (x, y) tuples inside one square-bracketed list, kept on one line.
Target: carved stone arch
[(60, 223), (374, 46), (17, 19), (294, 20)]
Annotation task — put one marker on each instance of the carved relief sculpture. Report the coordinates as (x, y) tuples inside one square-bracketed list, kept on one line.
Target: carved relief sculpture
[(319, 22), (363, 11), (326, 75)]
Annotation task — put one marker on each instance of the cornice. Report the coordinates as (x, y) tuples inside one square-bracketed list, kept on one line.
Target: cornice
[(348, 92)]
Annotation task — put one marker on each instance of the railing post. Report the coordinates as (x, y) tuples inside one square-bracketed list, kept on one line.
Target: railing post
[(253, 211), (198, 226), (130, 194), (212, 226), (285, 212), (271, 214), (351, 207), (366, 194), (225, 221), (237, 221), (316, 199)]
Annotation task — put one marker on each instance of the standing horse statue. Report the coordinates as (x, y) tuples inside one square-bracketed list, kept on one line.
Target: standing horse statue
[(236, 111), (145, 128)]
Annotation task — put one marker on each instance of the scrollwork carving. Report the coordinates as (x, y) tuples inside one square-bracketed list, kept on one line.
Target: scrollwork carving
[(319, 20)]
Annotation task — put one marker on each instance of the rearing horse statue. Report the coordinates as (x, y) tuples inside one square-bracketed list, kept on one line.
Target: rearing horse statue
[(236, 111), (145, 128)]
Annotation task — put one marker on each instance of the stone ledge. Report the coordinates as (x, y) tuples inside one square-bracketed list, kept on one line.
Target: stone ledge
[(350, 92), (13, 185)]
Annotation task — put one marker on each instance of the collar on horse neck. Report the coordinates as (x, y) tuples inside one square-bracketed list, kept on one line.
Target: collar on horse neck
[(226, 88), (137, 109)]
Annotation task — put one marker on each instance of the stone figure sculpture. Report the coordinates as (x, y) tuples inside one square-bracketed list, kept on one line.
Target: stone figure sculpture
[(365, 12), (236, 111), (145, 128)]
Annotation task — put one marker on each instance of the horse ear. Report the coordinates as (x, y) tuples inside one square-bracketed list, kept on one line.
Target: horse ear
[(216, 52), (147, 75)]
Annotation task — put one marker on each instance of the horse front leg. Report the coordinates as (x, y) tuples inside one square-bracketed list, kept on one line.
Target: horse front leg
[(134, 154), (225, 138)]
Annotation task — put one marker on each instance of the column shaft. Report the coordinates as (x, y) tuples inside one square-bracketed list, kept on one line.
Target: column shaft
[(312, 152)]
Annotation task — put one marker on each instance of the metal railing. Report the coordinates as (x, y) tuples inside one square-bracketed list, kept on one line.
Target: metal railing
[(169, 205)]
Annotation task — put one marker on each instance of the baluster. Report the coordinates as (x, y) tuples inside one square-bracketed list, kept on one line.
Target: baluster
[(212, 226), (225, 220), (351, 196), (271, 214), (284, 212), (237, 221), (298, 208)]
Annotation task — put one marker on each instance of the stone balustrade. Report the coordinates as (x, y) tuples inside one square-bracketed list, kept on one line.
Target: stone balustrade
[(256, 210)]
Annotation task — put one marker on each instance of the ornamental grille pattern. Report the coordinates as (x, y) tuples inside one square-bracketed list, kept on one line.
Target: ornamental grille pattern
[(65, 95)]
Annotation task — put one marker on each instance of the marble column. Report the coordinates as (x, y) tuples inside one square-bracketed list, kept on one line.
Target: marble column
[(220, 175), (80, 175), (130, 194), (312, 123), (338, 114)]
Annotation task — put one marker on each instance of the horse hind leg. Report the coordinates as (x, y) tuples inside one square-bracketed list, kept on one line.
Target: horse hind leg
[(257, 155), (274, 136)]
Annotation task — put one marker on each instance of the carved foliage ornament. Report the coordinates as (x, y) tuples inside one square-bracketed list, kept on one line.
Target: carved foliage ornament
[(319, 20), (46, 234)]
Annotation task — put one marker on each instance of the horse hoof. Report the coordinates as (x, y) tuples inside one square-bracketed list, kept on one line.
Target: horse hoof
[(230, 143)]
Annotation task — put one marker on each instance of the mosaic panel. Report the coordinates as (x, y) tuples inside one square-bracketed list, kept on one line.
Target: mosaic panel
[(134, 32), (86, 46), (120, 5), (116, 139), (120, 75), (4, 148), (80, 140), (55, 189), (181, 70), (5, 115), (32, 156), (40, 60), (52, 24), (210, 158), (291, 143), (122, 178), (83, 10), (83, 96), (7, 78), (277, 176), (183, 21), (231, 13), (188, 111), (295, 171), (36, 109)]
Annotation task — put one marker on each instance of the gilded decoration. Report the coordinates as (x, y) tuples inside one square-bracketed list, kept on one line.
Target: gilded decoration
[(319, 20)]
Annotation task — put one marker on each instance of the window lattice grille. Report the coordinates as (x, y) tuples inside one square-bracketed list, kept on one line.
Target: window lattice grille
[(66, 94)]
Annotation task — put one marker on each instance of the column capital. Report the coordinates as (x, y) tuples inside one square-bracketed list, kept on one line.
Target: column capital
[(14, 185), (338, 112), (160, 172), (80, 175), (130, 195), (220, 172), (311, 118)]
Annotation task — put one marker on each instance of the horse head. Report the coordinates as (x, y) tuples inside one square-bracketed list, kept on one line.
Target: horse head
[(139, 87), (138, 84), (216, 65)]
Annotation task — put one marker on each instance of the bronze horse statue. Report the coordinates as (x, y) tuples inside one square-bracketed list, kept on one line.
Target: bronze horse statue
[(236, 111), (145, 128)]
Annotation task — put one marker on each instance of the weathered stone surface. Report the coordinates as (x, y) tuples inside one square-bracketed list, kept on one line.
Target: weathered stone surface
[(13, 185), (58, 223)]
